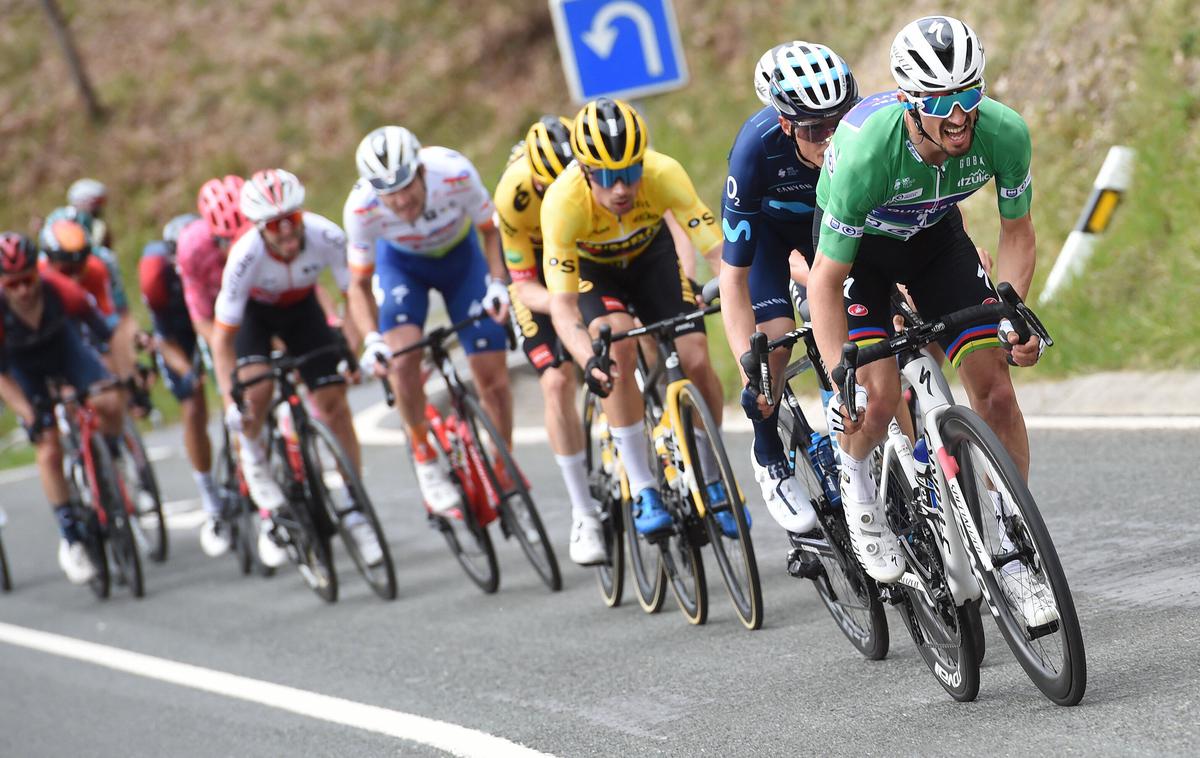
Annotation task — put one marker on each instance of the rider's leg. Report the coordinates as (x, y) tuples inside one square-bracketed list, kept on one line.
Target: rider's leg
[(334, 408), (624, 406), (565, 431), (495, 393), (986, 377), (409, 385)]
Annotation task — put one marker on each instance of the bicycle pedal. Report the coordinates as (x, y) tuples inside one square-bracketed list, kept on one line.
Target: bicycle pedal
[(1043, 630), (800, 568)]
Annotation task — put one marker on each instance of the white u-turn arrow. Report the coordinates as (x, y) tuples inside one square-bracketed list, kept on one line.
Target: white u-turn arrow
[(602, 36)]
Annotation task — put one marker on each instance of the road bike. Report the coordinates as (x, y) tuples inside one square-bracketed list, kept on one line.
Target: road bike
[(998, 547), (320, 484), (695, 481), (823, 555), (98, 495), (480, 465)]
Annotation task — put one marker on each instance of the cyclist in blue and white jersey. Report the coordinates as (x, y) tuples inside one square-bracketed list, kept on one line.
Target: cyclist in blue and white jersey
[(415, 218), (770, 196)]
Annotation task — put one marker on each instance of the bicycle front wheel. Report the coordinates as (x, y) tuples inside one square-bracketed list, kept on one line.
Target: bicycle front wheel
[(5, 579), (138, 473), (943, 632), (721, 494), (122, 546), (300, 517), (343, 493), (517, 511), (1018, 566), (604, 485)]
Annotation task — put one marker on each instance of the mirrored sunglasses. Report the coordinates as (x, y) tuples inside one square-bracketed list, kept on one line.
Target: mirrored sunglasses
[(607, 177), (275, 225), (940, 106)]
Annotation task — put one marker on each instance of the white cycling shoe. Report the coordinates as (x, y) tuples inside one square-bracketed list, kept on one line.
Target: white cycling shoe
[(786, 500), (873, 540), (1029, 594), (439, 492), (363, 534), (587, 541), (215, 537), (272, 554), (75, 563), (264, 490)]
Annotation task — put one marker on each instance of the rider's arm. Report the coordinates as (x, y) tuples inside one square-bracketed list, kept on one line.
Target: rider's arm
[(361, 309), (491, 251), (561, 228), (236, 282), (736, 311), (678, 195), (740, 223), (224, 357), (684, 249), (825, 302), (14, 397), (1017, 253)]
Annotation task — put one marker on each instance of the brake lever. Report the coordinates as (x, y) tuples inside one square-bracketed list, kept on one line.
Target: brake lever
[(758, 349), (845, 380)]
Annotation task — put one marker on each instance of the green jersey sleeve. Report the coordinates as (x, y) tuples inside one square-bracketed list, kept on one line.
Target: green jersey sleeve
[(851, 186), (1011, 157)]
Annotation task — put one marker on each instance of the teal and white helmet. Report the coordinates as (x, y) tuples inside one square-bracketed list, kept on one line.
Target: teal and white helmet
[(805, 81)]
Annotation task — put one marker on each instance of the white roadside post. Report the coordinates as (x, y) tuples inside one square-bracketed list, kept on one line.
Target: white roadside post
[(1111, 184)]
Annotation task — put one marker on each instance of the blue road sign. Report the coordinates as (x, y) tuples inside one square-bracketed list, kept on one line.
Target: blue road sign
[(618, 48)]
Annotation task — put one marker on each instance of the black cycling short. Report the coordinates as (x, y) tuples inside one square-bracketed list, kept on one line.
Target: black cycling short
[(653, 284), (539, 341), (302, 328), (941, 269)]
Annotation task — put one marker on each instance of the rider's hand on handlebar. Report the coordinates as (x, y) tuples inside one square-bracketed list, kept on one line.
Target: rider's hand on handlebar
[(233, 418), (599, 373), (495, 301), (1024, 355), (375, 355), (837, 416)]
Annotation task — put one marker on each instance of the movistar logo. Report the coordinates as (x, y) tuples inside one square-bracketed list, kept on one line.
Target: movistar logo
[(733, 234)]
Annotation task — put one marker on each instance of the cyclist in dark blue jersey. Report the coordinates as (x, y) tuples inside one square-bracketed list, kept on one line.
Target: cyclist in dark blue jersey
[(770, 196)]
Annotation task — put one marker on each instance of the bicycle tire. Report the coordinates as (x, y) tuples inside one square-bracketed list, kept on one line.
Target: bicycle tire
[(150, 522), (224, 476), (604, 484), (80, 489), (1060, 673), (381, 577), (5, 577), (850, 596), (516, 506), (298, 517), (468, 540), (645, 559), (122, 545), (944, 633), (735, 555)]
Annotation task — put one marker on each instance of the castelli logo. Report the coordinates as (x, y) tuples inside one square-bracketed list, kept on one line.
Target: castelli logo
[(857, 309), (990, 300)]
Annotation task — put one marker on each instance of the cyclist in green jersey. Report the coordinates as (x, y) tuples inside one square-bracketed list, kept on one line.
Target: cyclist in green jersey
[(887, 198)]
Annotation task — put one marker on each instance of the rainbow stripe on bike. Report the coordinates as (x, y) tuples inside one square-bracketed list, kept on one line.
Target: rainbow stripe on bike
[(970, 340)]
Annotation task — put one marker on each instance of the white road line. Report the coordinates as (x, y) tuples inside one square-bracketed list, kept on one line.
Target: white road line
[(452, 738)]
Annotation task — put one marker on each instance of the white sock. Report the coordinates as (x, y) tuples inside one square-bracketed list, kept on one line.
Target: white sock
[(708, 461), (574, 474), (634, 450), (208, 492), (861, 487)]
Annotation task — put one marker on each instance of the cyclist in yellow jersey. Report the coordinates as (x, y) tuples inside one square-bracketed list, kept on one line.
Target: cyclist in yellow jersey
[(606, 248), (541, 157)]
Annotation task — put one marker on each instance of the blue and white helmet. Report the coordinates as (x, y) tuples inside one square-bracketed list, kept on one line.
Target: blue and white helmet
[(804, 81), (936, 54)]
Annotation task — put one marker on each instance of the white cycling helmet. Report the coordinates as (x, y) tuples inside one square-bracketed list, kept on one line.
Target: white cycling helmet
[(174, 227), (936, 54), (269, 194), (762, 76), (388, 158), (806, 81), (86, 194)]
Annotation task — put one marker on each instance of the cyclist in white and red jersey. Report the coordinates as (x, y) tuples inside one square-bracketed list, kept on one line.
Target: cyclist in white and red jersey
[(412, 218), (268, 291)]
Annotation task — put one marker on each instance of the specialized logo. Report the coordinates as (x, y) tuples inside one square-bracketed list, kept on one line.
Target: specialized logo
[(733, 234), (857, 309)]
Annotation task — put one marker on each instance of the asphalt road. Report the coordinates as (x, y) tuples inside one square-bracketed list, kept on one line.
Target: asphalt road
[(562, 674)]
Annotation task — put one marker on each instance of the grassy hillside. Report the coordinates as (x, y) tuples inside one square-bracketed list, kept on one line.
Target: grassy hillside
[(233, 86)]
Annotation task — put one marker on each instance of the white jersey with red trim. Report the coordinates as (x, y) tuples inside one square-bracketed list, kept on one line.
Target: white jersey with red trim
[(253, 273), (455, 199)]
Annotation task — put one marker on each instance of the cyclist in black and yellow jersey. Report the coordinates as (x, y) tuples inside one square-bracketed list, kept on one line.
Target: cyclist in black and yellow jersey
[(606, 247), (543, 155)]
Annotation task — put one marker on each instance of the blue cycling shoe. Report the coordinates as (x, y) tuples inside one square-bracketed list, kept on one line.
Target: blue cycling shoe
[(649, 515), (716, 498)]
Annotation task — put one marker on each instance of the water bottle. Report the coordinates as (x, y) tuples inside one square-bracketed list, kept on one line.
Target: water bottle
[(921, 458), (820, 450)]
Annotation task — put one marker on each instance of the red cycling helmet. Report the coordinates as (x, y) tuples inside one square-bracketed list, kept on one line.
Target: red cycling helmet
[(218, 205), (17, 254)]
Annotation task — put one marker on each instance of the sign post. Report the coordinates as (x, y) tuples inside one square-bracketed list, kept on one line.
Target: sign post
[(618, 48)]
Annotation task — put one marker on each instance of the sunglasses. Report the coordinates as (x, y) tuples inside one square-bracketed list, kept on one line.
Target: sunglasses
[(19, 282), (607, 177), (940, 106), (275, 225), (394, 182), (815, 131)]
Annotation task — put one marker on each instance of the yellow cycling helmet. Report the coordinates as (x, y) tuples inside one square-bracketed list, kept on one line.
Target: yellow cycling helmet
[(548, 147), (609, 134)]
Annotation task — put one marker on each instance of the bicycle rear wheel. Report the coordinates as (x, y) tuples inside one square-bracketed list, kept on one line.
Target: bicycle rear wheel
[(234, 512), (604, 483), (342, 491), (943, 632), (735, 555), (306, 542), (517, 510), (122, 545), (149, 525), (5, 578), (1019, 563)]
